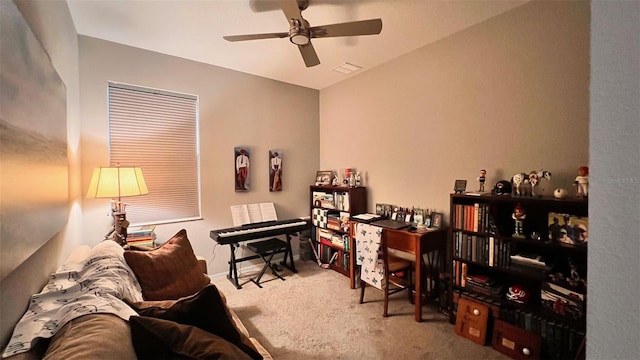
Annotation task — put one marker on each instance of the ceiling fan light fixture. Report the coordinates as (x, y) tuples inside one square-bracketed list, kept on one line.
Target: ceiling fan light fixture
[(299, 36)]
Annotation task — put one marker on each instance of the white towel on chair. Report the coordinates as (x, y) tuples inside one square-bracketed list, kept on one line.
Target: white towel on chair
[(367, 246)]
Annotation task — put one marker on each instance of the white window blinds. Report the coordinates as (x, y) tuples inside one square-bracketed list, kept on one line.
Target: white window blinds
[(157, 131)]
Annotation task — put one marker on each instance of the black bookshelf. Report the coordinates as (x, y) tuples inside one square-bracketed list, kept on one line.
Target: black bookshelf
[(486, 243)]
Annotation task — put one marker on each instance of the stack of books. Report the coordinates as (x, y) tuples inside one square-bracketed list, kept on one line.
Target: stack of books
[(141, 236), (484, 285)]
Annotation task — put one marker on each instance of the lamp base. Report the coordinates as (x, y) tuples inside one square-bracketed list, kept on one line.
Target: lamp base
[(119, 228)]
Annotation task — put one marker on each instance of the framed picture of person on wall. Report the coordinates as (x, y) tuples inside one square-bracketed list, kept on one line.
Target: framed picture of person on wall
[(241, 156), (275, 170)]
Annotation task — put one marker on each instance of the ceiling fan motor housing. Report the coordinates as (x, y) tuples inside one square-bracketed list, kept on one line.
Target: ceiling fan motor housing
[(299, 34)]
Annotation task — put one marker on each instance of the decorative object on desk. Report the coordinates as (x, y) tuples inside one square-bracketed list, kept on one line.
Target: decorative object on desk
[(535, 177), (581, 183), (241, 174), (460, 186), (324, 177), (560, 193), (418, 217), (518, 216), (394, 214), (503, 187), (482, 179), (275, 170), (358, 178), (117, 182), (574, 230), (436, 220)]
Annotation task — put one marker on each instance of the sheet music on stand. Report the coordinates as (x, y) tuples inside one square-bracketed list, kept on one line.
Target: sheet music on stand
[(253, 213)]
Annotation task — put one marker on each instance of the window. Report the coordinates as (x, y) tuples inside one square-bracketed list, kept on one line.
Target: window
[(157, 130)]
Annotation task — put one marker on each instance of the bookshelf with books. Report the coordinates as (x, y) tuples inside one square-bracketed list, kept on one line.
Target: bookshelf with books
[(331, 210), (526, 259)]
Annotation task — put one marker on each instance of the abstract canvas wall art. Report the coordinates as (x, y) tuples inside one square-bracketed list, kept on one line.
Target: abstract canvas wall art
[(33, 143)]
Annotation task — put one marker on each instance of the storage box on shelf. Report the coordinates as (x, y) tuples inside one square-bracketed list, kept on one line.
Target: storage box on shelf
[(531, 271), (331, 211)]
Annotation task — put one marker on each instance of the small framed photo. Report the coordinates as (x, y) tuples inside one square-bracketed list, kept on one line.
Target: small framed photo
[(568, 229), (436, 220), (418, 217), (460, 186), (324, 177)]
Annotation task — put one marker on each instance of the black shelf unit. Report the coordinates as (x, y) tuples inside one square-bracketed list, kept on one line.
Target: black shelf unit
[(479, 223)]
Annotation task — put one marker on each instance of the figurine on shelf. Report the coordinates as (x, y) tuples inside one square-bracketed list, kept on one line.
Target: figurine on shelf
[(358, 178), (582, 181), (482, 179), (335, 181), (519, 216), (535, 177)]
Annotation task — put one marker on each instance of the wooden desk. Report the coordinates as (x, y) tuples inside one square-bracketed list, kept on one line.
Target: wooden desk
[(418, 244)]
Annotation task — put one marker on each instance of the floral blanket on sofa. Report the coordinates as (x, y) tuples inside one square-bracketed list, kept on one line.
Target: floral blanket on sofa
[(96, 284)]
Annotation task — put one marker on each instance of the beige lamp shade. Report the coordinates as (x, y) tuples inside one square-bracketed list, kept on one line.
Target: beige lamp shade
[(116, 182)]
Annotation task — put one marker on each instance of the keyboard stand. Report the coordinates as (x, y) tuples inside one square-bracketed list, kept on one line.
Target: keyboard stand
[(266, 249)]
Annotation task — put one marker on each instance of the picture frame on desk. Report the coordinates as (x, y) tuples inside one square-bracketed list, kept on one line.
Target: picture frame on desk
[(436, 220), (324, 177)]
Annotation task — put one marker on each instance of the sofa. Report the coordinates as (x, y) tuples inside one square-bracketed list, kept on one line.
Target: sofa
[(108, 302)]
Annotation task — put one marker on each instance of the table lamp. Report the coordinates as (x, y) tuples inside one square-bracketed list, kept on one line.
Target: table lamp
[(115, 183)]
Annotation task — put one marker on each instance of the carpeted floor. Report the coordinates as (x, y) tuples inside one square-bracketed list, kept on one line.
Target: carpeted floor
[(315, 315)]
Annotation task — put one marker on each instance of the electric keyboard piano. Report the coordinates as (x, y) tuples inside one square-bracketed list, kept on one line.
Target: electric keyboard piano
[(234, 235)]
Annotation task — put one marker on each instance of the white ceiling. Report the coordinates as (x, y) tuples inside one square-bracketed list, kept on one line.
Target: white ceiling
[(193, 29)]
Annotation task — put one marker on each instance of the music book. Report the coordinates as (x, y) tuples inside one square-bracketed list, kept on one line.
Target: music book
[(253, 213)]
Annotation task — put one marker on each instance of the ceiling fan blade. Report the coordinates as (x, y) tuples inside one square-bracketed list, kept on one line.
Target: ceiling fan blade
[(255, 36), (291, 11), (309, 55), (364, 27)]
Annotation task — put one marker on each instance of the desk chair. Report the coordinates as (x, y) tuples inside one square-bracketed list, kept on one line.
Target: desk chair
[(379, 269)]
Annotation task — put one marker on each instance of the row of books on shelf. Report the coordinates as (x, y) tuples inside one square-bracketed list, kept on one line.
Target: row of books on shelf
[(332, 239), (338, 221), (560, 340), (471, 217), (329, 255), (141, 236), (331, 200), (482, 250), (480, 284)]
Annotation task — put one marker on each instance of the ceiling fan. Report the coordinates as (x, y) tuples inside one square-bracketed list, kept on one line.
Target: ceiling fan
[(300, 32)]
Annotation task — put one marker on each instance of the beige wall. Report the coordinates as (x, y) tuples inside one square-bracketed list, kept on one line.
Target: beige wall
[(508, 95), (236, 109)]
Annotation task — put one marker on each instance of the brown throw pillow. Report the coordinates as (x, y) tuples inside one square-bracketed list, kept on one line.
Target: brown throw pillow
[(205, 310), (170, 271), (163, 339)]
